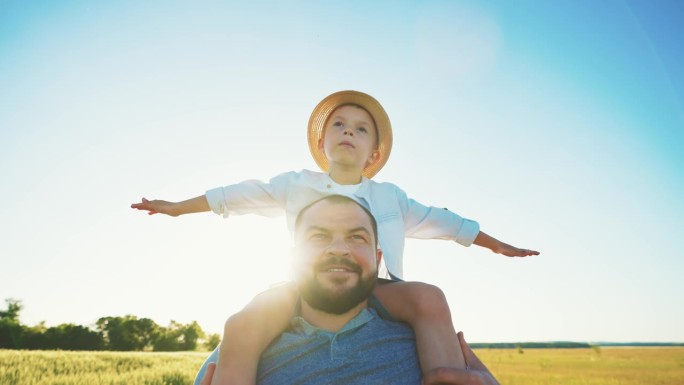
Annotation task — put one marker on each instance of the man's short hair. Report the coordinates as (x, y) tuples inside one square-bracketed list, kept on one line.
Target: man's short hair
[(339, 199)]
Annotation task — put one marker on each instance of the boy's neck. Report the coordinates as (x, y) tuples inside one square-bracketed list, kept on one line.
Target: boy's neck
[(345, 176)]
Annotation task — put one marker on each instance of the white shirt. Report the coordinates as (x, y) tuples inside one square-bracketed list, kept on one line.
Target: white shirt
[(397, 215)]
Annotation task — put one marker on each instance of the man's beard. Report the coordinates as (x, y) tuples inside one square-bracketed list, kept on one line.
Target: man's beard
[(336, 301)]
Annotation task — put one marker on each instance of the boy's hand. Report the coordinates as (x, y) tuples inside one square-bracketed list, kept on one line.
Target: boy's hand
[(511, 251), (499, 247), (156, 206)]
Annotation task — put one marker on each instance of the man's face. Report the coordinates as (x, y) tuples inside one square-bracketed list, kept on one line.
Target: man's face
[(337, 258)]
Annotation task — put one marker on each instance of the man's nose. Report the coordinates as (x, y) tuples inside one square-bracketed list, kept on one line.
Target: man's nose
[(338, 246)]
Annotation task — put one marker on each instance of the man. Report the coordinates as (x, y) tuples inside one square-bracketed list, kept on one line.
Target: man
[(337, 338)]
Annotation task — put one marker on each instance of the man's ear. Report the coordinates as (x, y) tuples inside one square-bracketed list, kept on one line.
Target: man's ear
[(378, 257)]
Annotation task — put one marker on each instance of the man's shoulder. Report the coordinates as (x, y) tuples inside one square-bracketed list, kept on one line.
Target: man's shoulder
[(377, 308), (383, 320)]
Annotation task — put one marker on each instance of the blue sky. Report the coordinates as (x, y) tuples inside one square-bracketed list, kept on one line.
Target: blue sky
[(557, 125)]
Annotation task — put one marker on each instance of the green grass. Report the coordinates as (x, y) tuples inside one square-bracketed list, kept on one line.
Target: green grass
[(98, 368), (599, 366)]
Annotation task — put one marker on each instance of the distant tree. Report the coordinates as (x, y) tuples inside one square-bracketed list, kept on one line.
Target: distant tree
[(34, 337), (127, 333), (192, 333), (178, 337), (146, 331), (14, 306), (11, 331), (169, 338), (73, 337), (113, 333), (212, 341)]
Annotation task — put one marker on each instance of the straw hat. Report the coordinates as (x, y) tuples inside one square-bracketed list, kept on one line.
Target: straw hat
[(320, 115)]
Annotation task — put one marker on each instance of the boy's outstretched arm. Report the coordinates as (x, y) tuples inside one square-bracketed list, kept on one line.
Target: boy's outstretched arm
[(499, 247), (194, 205)]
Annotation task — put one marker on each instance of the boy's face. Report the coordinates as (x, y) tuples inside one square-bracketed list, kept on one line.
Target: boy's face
[(350, 138)]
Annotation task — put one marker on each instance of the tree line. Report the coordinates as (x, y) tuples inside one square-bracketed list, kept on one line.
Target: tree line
[(127, 333)]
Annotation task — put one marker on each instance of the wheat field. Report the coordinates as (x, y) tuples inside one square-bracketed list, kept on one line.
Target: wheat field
[(598, 366), (98, 368)]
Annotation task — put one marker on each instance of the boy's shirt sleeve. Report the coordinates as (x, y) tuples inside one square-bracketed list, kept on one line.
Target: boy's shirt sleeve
[(427, 222), (251, 197)]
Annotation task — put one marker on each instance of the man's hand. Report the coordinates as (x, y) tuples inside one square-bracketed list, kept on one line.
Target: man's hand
[(477, 374), (206, 380), (155, 207)]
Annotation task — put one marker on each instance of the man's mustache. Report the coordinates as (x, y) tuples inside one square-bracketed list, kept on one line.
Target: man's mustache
[(337, 261)]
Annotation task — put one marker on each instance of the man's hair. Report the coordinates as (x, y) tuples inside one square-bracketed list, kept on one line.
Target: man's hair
[(339, 199)]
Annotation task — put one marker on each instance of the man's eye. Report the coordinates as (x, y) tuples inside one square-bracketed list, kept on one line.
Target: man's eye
[(319, 237), (358, 238)]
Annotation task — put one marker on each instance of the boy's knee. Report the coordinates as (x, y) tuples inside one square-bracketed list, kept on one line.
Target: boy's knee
[(429, 300), (237, 322), (237, 328)]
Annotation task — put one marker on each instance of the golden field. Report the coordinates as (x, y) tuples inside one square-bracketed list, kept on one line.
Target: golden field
[(604, 366), (598, 366)]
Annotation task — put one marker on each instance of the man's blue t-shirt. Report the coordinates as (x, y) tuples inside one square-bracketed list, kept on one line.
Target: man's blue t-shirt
[(368, 350)]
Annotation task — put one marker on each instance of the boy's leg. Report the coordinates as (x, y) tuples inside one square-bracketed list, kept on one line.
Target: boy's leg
[(425, 308), (248, 333)]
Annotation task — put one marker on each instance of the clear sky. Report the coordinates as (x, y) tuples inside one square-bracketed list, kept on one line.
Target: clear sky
[(558, 126)]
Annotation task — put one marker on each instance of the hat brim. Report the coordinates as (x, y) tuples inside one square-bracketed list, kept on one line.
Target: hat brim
[(322, 112)]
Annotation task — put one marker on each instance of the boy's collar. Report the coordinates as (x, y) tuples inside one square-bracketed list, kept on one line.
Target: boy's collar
[(339, 184)]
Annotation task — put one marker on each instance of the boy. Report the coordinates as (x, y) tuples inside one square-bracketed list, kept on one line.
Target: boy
[(350, 138)]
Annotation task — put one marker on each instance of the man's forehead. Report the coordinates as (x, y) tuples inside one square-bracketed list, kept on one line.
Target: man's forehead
[(325, 213)]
